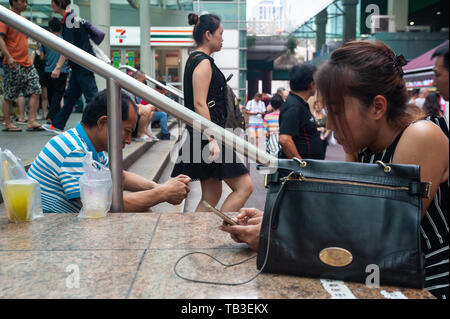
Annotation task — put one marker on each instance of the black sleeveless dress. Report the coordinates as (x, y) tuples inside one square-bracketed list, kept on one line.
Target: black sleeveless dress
[(193, 156), (434, 225)]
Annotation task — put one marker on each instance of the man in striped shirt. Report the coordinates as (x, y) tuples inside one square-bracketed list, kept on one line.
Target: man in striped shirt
[(59, 165)]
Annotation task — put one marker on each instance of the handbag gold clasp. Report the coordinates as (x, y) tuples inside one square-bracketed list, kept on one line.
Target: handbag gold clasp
[(387, 168), (300, 162)]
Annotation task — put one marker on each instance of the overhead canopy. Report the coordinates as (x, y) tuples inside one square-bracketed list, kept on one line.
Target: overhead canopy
[(304, 12), (423, 61), (419, 71)]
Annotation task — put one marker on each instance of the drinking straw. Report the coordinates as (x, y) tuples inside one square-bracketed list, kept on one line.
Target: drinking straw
[(5, 170), (89, 175)]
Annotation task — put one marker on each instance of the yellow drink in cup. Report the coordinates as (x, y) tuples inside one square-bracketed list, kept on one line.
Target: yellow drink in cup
[(19, 196)]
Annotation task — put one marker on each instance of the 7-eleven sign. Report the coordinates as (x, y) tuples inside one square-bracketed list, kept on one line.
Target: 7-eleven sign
[(121, 34)]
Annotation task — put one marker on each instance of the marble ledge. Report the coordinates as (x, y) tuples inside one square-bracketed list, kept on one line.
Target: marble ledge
[(67, 274), (156, 279), (68, 232)]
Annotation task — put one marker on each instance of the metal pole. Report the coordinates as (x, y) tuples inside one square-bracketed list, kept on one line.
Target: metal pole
[(115, 144), (168, 87), (128, 83)]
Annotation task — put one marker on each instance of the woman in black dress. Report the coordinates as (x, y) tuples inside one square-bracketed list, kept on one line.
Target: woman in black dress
[(204, 93)]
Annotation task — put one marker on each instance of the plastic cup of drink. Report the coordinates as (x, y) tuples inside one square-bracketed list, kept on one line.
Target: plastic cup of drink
[(95, 200), (19, 197)]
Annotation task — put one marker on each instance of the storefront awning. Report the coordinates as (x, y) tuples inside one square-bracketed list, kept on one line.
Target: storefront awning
[(419, 71), (422, 62)]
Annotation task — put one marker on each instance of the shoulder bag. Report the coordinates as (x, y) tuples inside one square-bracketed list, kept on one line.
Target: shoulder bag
[(337, 220)]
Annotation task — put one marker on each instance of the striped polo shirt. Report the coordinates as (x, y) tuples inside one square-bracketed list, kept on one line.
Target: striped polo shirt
[(59, 166)]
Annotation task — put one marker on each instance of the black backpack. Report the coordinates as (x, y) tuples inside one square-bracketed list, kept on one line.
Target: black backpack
[(234, 115)]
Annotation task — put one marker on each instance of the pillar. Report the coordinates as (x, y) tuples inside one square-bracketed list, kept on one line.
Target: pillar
[(253, 85), (399, 9), (321, 29), (100, 17), (349, 20), (267, 81), (147, 60)]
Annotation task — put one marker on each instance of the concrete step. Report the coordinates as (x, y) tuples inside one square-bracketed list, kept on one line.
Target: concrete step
[(156, 164)]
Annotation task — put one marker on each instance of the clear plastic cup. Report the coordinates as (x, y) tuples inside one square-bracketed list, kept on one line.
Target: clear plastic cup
[(19, 199)]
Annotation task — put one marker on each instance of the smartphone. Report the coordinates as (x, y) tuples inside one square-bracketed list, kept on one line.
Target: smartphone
[(227, 219)]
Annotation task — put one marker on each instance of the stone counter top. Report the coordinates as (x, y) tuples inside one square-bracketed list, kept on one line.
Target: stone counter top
[(133, 256)]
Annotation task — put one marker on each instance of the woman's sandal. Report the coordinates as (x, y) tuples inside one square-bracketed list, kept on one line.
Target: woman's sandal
[(12, 129)]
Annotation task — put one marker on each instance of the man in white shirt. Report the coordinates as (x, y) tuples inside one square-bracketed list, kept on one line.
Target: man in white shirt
[(256, 110)]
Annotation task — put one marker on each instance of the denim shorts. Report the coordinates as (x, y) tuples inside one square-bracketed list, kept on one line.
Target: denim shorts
[(21, 81)]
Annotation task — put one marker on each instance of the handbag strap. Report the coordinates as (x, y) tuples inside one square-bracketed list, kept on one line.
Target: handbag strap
[(277, 200)]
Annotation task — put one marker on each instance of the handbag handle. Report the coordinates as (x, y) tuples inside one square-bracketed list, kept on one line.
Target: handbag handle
[(274, 213)]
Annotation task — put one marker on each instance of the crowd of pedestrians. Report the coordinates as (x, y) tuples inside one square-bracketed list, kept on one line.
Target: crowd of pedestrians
[(370, 121), (50, 81)]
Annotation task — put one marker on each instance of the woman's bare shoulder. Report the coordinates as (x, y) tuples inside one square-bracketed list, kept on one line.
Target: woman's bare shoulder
[(424, 143), (424, 132)]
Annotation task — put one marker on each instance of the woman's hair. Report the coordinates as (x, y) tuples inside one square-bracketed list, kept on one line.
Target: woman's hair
[(432, 106), (363, 70), (276, 101), (202, 24), (98, 107)]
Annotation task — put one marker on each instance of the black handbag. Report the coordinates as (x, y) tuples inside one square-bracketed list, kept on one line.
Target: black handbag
[(332, 220)]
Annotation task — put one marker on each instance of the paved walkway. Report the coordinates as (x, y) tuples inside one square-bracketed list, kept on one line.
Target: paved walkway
[(27, 145)]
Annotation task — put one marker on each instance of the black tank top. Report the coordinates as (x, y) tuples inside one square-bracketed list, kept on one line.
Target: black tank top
[(216, 99), (434, 225)]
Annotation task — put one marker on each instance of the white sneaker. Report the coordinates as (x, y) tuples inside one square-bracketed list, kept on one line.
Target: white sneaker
[(52, 129), (144, 138), (154, 138)]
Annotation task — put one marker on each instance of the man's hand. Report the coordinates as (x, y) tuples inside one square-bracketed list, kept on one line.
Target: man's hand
[(248, 228), (12, 63), (176, 189), (56, 72)]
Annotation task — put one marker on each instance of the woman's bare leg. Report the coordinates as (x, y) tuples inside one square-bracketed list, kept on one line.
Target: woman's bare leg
[(211, 193), (242, 188)]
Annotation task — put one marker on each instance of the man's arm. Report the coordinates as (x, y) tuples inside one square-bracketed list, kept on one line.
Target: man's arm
[(289, 127), (142, 201), (4, 48), (135, 183), (288, 145), (57, 70), (173, 191)]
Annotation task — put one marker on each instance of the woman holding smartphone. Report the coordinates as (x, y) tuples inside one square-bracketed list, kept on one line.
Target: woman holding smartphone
[(363, 89), (205, 94)]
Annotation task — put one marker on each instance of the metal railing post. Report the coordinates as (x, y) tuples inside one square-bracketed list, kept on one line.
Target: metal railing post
[(115, 144)]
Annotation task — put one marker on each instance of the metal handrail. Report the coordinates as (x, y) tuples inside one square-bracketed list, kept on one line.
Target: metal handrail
[(117, 79), (179, 94)]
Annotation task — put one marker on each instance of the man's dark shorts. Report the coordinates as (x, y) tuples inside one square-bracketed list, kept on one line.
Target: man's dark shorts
[(22, 79)]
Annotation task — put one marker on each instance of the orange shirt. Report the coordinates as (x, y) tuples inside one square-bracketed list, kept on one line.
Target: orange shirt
[(17, 44)]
